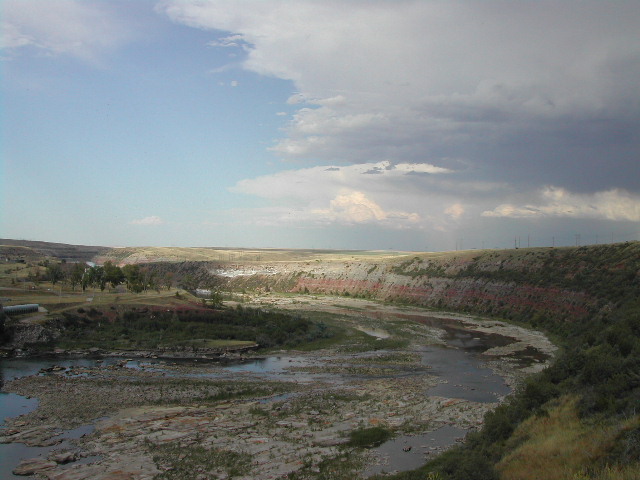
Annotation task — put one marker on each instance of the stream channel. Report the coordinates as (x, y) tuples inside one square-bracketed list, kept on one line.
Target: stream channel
[(458, 364)]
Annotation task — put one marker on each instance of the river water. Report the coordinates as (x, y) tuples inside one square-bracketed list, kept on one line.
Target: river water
[(457, 364)]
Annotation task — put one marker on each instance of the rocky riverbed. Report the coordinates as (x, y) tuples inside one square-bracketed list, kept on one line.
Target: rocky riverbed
[(208, 421)]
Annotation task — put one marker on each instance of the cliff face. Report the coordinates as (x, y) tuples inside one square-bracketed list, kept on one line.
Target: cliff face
[(21, 336), (528, 284)]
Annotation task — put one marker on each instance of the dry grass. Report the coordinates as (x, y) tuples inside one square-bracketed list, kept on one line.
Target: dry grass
[(244, 256), (561, 447), (618, 472)]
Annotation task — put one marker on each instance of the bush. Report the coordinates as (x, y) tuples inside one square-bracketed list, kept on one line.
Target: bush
[(466, 464), (369, 437), (148, 329)]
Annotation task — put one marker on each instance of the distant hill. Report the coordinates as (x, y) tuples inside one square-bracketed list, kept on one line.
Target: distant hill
[(135, 255), (61, 251)]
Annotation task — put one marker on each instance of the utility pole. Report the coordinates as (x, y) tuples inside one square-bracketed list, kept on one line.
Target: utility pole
[(577, 239)]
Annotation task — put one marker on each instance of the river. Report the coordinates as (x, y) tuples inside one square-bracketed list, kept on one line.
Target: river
[(458, 364)]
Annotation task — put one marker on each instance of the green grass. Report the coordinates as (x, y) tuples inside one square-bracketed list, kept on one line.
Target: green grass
[(193, 461), (146, 328), (369, 437), (344, 466), (215, 343)]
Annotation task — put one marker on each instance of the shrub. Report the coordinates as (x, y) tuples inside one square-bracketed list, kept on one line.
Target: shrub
[(369, 437)]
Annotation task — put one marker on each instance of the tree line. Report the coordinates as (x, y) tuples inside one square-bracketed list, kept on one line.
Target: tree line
[(136, 278)]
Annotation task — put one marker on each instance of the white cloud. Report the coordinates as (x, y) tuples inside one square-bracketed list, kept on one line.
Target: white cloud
[(355, 207), (12, 37), (455, 211), (613, 204), (229, 41), (326, 181), (391, 196), (63, 27), (420, 168), (152, 220)]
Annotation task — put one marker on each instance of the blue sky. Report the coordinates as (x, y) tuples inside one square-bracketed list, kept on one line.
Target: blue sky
[(414, 125)]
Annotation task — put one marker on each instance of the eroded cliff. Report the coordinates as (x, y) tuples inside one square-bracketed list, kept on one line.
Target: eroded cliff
[(537, 285)]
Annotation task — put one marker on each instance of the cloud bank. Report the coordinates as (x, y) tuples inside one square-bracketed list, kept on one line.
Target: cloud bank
[(400, 80), (616, 205), (462, 109)]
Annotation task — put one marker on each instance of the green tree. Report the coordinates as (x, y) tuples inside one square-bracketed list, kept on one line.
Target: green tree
[(148, 278), (113, 274), (168, 280), (95, 277), (54, 273), (189, 283), (77, 272), (133, 277), (215, 298)]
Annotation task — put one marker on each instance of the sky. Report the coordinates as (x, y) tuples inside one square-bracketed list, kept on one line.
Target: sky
[(418, 125)]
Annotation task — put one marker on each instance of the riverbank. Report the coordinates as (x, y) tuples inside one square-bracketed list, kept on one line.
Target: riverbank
[(290, 416)]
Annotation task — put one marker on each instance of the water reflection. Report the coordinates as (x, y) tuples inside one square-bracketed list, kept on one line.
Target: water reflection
[(462, 375), (408, 452)]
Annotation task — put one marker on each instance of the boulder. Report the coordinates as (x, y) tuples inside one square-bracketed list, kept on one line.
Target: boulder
[(32, 466), (64, 457)]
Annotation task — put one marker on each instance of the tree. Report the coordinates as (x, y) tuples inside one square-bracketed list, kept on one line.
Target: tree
[(133, 277), (95, 277), (76, 275), (54, 273), (215, 298), (189, 283), (113, 274), (168, 280)]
